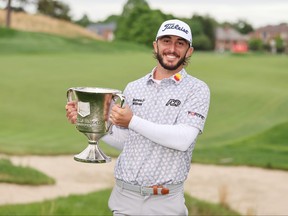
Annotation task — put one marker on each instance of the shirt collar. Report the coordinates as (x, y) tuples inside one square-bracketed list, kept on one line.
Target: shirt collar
[(176, 78)]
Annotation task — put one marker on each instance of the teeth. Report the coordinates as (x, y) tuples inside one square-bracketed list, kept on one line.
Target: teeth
[(171, 56)]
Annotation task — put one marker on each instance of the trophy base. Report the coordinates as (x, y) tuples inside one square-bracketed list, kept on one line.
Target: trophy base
[(92, 154)]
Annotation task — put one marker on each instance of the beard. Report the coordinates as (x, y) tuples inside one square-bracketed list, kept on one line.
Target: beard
[(182, 61)]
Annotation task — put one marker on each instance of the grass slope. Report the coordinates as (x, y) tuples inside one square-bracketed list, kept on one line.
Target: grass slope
[(269, 149), (13, 41), (22, 175), (42, 23)]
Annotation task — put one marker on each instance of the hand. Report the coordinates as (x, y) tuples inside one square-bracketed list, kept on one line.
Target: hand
[(71, 111), (120, 116)]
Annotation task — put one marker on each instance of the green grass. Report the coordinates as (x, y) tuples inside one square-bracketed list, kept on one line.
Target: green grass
[(247, 122), (12, 41), (267, 149), (248, 97), (97, 204), (34, 98), (10, 173), (202, 208)]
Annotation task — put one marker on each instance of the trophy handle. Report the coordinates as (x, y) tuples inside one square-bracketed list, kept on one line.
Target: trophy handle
[(70, 94), (122, 103), (122, 99)]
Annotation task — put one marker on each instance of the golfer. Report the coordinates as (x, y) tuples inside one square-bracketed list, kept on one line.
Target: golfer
[(157, 129)]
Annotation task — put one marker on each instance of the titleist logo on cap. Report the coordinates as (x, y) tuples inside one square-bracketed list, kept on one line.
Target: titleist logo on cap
[(177, 27)]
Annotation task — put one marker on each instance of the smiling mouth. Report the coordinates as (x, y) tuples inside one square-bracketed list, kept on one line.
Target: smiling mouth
[(171, 56)]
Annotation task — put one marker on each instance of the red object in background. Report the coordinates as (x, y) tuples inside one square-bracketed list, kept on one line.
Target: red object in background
[(240, 48)]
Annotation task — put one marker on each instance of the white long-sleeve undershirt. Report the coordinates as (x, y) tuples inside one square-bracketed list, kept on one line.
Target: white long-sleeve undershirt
[(117, 137), (178, 137)]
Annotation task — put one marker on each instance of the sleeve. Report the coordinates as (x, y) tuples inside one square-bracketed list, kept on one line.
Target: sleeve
[(116, 138), (178, 137), (195, 109)]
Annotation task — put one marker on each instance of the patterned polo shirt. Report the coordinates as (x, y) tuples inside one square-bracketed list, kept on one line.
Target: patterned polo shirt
[(180, 99)]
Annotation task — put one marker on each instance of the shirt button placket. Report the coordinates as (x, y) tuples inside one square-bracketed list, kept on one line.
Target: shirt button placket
[(158, 91)]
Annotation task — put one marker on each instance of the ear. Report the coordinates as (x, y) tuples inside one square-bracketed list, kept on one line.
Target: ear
[(155, 46), (189, 52)]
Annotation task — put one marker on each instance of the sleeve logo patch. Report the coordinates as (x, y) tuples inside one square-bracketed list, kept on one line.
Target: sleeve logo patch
[(196, 114)]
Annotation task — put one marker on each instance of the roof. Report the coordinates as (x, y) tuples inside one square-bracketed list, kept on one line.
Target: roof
[(102, 27), (229, 34), (274, 28)]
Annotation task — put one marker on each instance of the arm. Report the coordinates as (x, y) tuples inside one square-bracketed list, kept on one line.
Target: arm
[(178, 137), (116, 138)]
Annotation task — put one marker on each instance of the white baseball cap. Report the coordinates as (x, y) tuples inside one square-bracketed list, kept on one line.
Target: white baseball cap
[(177, 28)]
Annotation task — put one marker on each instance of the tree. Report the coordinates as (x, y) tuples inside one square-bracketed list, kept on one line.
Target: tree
[(243, 27), (84, 21), (131, 5), (111, 18), (10, 8), (54, 9), (139, 24), (8, 15), (202, 42), (208, 25), (203, 32), (256, 44), (280, 47)]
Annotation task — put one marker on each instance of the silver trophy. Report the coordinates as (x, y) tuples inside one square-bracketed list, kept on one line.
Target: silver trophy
[(93, 107)]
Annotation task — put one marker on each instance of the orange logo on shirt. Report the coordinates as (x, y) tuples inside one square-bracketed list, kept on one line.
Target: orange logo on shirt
[(177, 77)]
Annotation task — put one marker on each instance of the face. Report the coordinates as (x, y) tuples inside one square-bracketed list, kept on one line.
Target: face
[(172, 51)]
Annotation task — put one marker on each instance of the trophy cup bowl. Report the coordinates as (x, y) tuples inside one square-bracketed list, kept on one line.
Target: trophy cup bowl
[(93, 109)]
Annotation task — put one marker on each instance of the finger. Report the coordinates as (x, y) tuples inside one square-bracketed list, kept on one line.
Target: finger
[(70, 107), (71, 115), (74, 119), (67, 107), (111, 120), (116, 108), (71, 102)]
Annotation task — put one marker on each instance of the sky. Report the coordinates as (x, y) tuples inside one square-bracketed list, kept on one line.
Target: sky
[(256, 12)]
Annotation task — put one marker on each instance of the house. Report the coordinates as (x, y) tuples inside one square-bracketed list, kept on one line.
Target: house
[(268, 34), (229, 39), (105, 30)]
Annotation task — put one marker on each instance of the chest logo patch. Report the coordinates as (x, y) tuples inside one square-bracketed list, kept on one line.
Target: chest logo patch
[(173, 102), (138, 102)]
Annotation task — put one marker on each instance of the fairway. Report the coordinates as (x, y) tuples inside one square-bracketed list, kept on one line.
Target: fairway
[(249, 97), (34, 90)]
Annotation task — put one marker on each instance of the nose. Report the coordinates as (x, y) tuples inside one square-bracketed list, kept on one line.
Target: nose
[(172, 47)]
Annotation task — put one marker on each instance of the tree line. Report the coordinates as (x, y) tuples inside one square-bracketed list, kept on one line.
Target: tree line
[(138, 22)]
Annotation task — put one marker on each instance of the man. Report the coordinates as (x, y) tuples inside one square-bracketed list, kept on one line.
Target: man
[(157, 129)]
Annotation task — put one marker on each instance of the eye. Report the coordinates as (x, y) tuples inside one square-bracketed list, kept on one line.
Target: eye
[(166, 41), (181, 43)]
